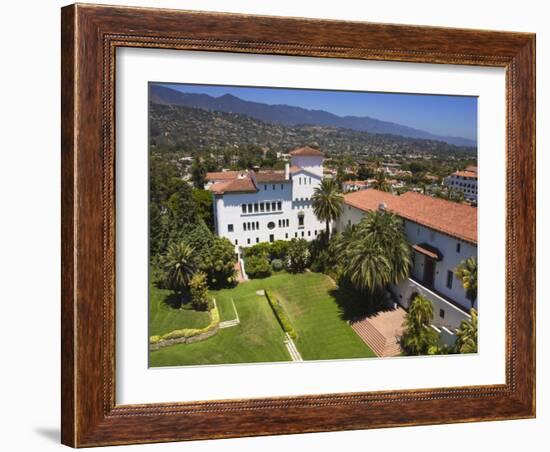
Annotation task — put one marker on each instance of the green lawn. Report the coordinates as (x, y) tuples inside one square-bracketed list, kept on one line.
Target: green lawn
[(315, 307), (163, 318)]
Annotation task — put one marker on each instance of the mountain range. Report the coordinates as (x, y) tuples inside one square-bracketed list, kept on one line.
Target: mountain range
[(287, 115)]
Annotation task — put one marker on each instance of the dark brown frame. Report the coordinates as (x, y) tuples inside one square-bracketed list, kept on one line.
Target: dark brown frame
[(90, 35)]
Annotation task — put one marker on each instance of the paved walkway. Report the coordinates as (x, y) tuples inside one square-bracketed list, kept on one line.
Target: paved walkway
[(381, 331), (291, 347)]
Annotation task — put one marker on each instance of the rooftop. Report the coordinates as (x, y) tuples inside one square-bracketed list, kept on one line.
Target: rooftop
[(465, 174), (270, 176), (454, 219), (307, 151), (245, 185), (222, 175)]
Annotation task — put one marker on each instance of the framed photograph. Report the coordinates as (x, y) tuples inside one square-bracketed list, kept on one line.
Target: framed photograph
[(281, 225)]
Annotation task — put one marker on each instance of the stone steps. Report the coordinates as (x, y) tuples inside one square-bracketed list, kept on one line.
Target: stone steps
[(381, 345), (291, 347)]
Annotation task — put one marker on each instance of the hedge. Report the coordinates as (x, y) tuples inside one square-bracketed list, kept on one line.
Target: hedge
[(280, 314), (190, 332)]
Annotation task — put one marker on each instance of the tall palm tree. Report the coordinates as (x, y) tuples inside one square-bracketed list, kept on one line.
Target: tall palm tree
[(376, 252), (466, 271), (327, 202), (179, 266), (380, 181), (419, 337), (466, 341)]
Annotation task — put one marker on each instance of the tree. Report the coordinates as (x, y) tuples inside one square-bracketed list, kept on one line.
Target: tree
[(380, 181), (419, 338), (375, 253), (466, 271), (257, 266), (365, 172), (218, 262), (327, 202), (466, 341), (199, 292), (179, 266), (198, 173), (298, 256)]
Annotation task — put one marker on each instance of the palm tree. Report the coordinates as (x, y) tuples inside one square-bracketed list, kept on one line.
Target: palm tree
[(467, 335), (376, 252), (179, 266), (380, 182), (419, 338), (327, 202), (466, 271)]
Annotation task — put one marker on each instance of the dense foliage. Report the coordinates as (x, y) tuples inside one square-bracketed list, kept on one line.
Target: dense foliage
[(419, 338), (257, 266), (466, 271), (199, 292), (179, 266), (298, 257), (466, 341)]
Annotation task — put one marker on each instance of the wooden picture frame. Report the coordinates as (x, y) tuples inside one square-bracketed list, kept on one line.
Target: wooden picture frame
[(90, 36)]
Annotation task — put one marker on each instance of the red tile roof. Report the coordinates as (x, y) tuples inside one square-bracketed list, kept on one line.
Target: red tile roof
[(245, 185), (307, 151), (270, 176), (454, 219), (472, 168), (222, 175), (465, 174)]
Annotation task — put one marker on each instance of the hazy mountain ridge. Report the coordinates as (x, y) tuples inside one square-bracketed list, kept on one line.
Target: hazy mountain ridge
[(292, 116)]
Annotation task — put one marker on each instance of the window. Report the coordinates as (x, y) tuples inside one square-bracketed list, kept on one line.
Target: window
[(273, 186), (279, 205), (295, 234), (262, 207), (255, 207), (302, 233), (265, 187), (244, 226), (442, 313), (458, 247), (282, 188), (257, 225), (286, 235), (250, 208), (279, 223), (257, 240), (273, 206), (309, 233), (271, 225), (300, 180), (267, 207), (449, 279), (236, 242), (229, 228), (315, 231), (287, 223), (248, 241), (243, 206), (310, 181), (301, 219)]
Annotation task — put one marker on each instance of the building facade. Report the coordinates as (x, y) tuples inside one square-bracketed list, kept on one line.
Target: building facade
[(442, 234), (263, 206), (465, 182)]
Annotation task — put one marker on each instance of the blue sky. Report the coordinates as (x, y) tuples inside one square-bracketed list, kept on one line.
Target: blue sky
[(441, 115)]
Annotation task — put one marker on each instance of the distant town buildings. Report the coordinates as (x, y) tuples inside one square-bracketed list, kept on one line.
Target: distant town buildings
[(465, 182)]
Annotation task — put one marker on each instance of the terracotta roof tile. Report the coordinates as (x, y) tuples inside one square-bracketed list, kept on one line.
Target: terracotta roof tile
[(454, 219), (307, 151), (270, 176), (465, 174), (245, 185), (222, 175)]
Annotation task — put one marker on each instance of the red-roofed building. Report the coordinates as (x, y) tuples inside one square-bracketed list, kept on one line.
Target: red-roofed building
[(267, 205), (465, 182), (441, 233)]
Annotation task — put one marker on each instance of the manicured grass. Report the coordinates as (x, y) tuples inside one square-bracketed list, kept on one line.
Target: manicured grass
[(258, 338), (163, 318), (316, 308)]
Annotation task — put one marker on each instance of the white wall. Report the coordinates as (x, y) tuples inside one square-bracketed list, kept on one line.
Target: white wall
[(30, 184)]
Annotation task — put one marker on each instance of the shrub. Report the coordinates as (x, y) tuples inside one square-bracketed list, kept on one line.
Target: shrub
[(190, 332), (277, 265), (154, 339), (278, 249), (280, 314), (199, 292), (298, 255), (260, 249), (257, 267)]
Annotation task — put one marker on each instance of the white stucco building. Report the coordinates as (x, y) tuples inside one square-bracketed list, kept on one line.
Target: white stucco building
[(442, 234), (263, 206), (464, 181)]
